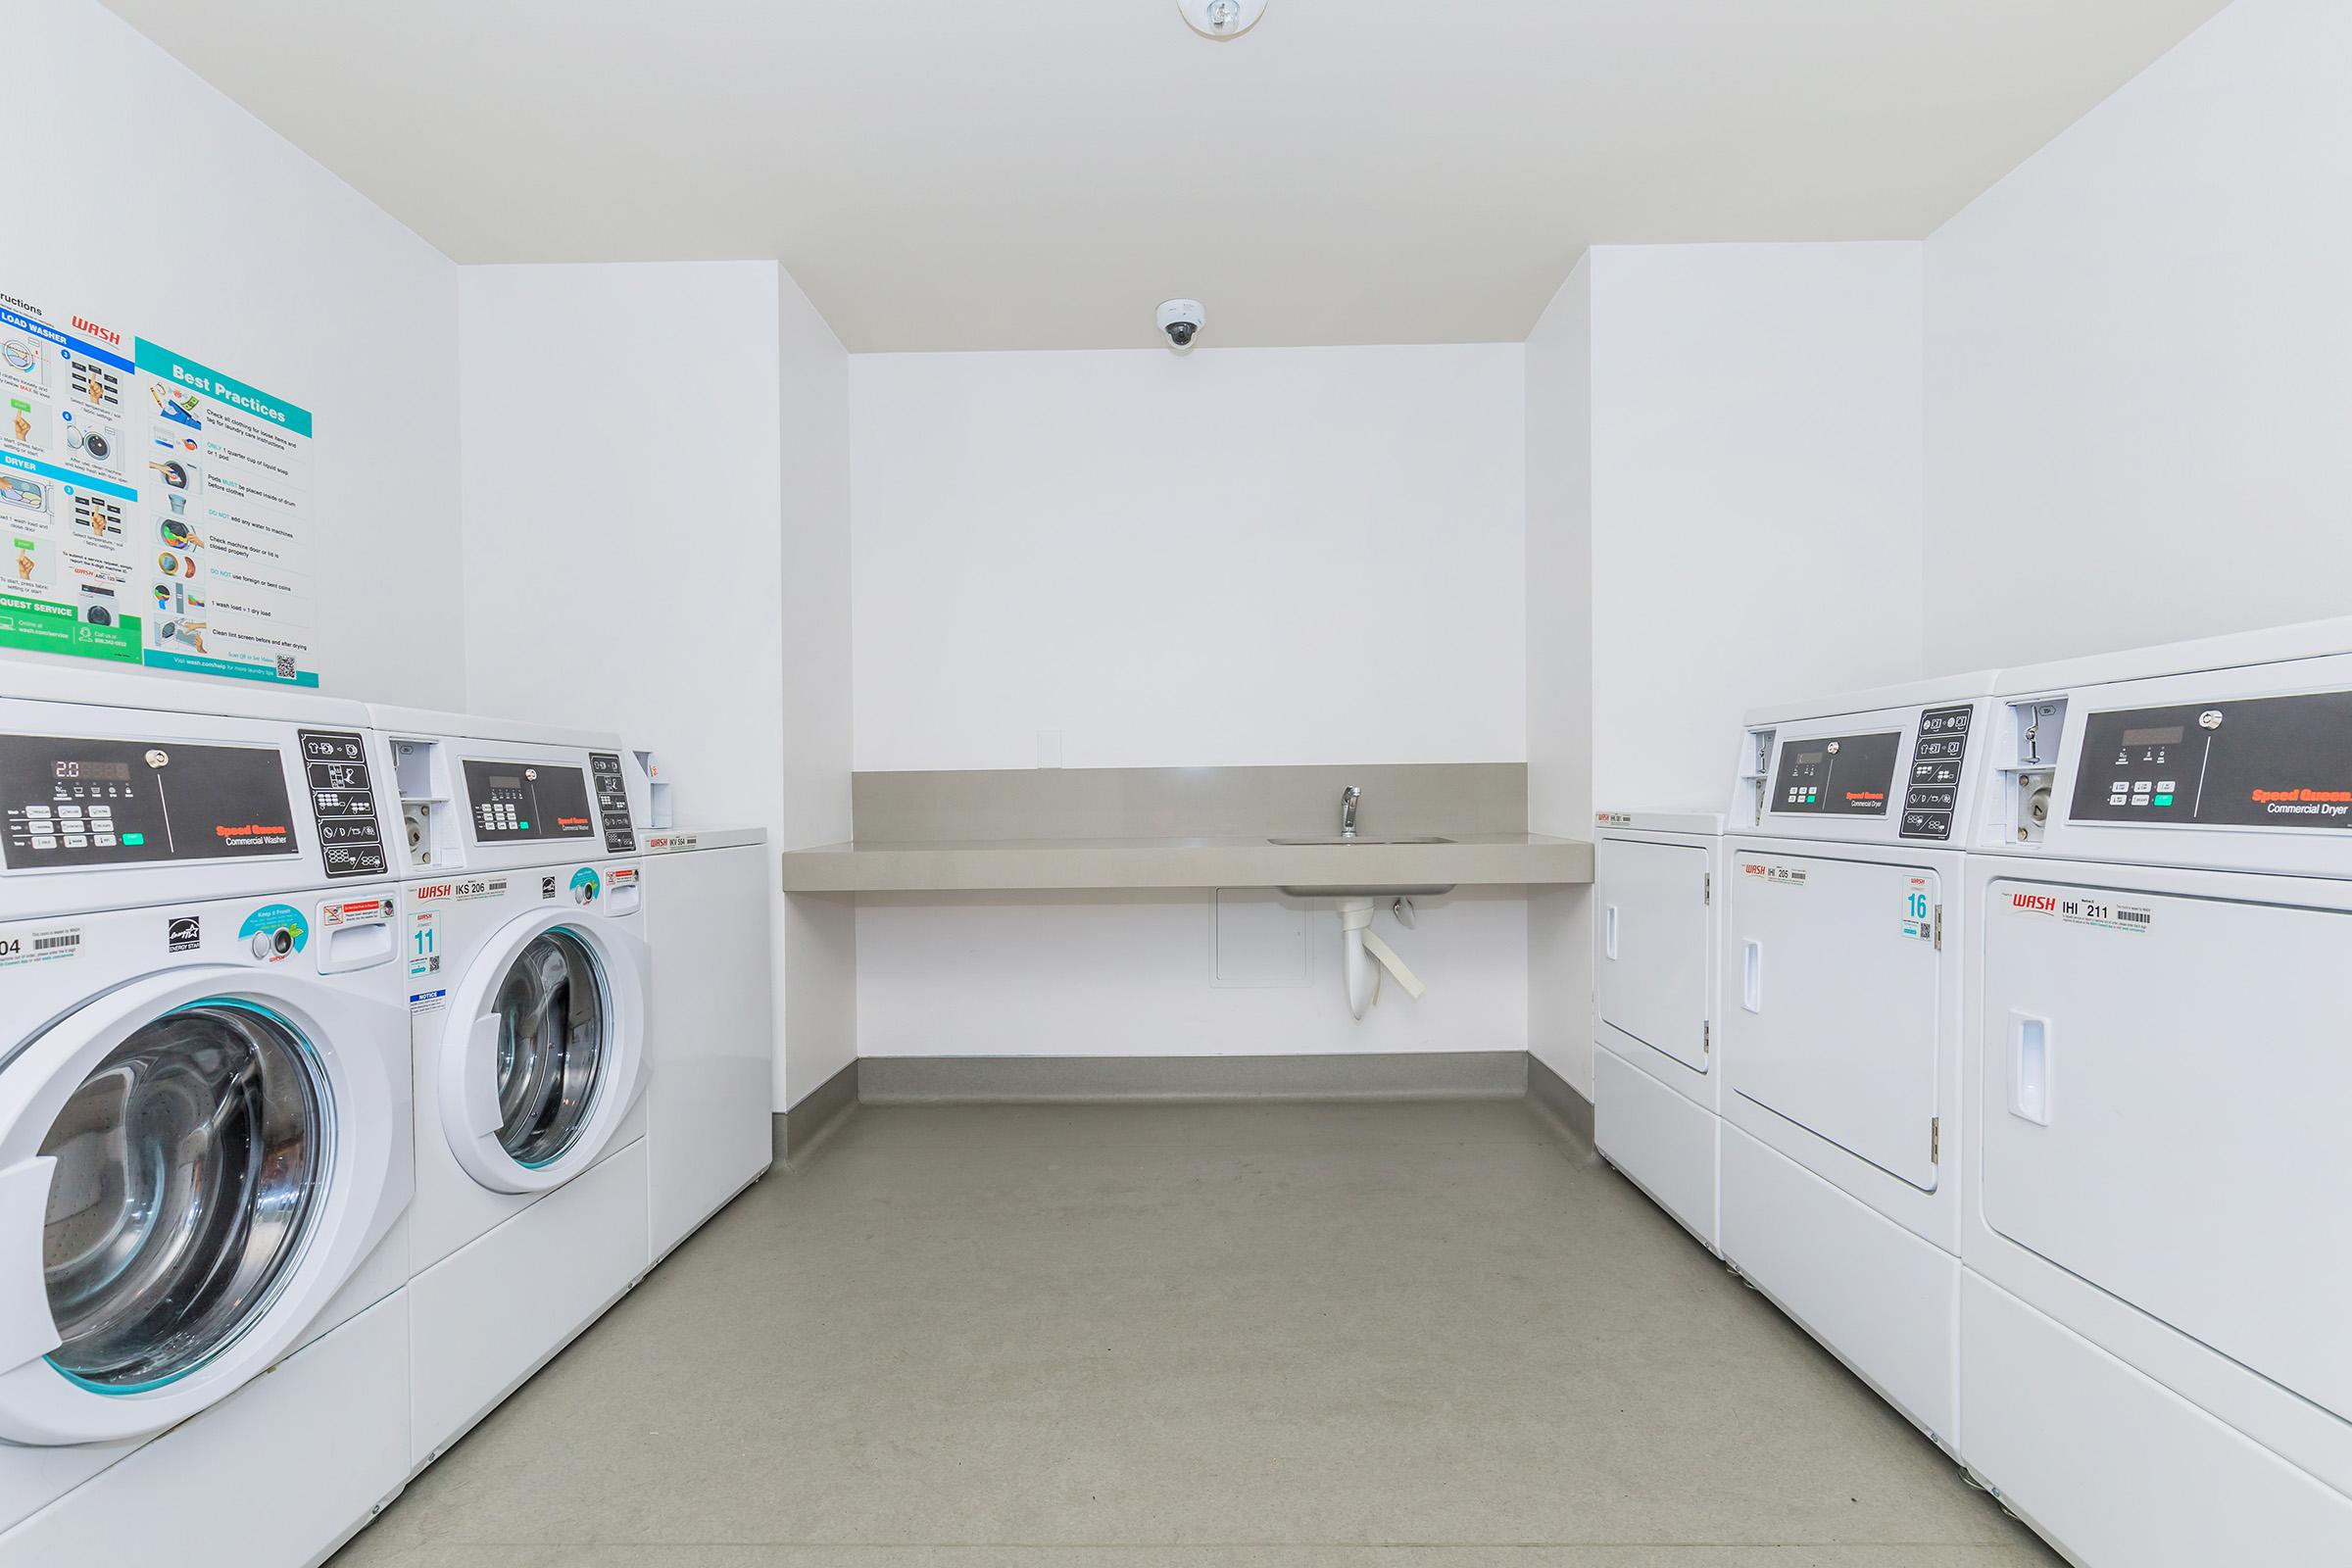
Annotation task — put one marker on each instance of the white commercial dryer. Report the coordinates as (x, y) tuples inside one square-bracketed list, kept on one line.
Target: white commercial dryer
[(710, 1038), (521, 920), (2155, 1370), (206, 1140), (1841, 1024), (1656, 940)]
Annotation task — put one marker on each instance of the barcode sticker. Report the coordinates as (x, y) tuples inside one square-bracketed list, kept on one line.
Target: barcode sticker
[(46, 946)]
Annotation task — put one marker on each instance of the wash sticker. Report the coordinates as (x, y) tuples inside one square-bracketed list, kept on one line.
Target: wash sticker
[(39, 945), (264, 925), (2080, 907), (465, 890), (1787, 876), (585, 886), (1919, 909)]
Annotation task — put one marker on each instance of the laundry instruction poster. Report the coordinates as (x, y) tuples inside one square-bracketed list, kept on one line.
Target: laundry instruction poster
[(156, 510)]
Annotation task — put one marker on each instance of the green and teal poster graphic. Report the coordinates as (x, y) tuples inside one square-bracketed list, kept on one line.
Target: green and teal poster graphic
[(157, 510)]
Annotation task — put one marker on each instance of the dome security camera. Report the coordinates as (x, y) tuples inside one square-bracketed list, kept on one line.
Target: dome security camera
[(1181, 319)]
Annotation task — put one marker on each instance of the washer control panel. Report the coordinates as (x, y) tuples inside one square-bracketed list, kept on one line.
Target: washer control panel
[(613, 803), (1938, 752), (515, 803), (343, 801), (74, 802)]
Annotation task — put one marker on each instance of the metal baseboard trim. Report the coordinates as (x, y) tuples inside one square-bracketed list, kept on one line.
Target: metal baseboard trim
[(809, 1125), (1556, 1102), (983, 1080)]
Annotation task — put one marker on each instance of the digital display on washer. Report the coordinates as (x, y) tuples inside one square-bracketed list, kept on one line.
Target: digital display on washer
[(2267, 762), (1836, 775), (515, 803), (71, 801)]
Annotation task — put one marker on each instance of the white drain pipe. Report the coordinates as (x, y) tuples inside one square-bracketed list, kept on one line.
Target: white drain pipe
[(1361, 949)]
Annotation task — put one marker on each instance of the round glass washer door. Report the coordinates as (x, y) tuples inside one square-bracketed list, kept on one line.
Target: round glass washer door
[(191, 1168), (555, 1044)]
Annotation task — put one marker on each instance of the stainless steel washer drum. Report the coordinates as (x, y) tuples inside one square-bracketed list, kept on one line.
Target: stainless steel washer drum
[(191, 1165)]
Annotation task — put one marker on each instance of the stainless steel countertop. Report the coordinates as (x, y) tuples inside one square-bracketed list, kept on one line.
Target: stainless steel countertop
[(1479, 859)]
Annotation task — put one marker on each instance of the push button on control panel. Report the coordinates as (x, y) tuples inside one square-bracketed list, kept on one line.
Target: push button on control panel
[(1936, 756), (613, 803), (343, 802)]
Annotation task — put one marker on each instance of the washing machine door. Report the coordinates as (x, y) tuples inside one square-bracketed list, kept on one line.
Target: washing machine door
[(544, 1052), (190, 1166)]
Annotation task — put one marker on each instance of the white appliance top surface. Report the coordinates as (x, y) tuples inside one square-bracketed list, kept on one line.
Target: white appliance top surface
[(2310, 639), (103, 688), (1909, 694), (425, 724), (1698, 819)]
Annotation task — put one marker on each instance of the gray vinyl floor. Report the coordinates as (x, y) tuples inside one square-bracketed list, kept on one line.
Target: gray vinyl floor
[(1332, 1336)]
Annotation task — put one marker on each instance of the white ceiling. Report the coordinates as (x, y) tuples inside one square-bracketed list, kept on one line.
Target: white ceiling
[(1041, 173)]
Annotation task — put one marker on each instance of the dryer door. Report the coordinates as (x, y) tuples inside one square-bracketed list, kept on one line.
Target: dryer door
[(1831, 1002), (1650, 978), (544, 1052), (2164, 1093), (190, 1166)]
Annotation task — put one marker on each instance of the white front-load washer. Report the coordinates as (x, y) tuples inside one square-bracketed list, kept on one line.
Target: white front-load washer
[(1840, 1004), (1656, 942), (2154, 1367), (523, 930), (206, 1140)]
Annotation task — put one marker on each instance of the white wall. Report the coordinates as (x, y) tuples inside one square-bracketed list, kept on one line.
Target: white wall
[(1559, 668), (1756, 496), (1239, 556), (623, 522), (684, 567), (1131, 975), (2139, 359), (1723, 485), (141, 195), (1235, 556), (816, 938)]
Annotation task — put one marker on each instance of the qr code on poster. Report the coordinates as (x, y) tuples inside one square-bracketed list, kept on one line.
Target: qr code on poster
[(285, 666)]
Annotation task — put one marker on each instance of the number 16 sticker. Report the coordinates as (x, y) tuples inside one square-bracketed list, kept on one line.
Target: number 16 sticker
[(1919, 909)]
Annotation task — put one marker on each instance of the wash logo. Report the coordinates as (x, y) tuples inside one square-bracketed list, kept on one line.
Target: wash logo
[(2034, 903), (104, 334)]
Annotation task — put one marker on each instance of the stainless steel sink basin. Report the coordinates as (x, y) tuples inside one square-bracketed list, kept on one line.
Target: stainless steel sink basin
[(1335, 839)]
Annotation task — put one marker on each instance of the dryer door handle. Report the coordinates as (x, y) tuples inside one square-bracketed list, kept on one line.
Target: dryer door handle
[(2029, 1067), (1752, 975), (1608, 926)]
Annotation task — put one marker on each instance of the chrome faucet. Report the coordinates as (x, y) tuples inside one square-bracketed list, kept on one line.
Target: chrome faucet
[(1348, 798)]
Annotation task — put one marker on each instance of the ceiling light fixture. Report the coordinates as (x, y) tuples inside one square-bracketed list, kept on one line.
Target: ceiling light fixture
[(1222, 19)]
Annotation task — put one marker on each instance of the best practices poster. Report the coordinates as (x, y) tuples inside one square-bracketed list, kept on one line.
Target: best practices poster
[(153, 510)]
